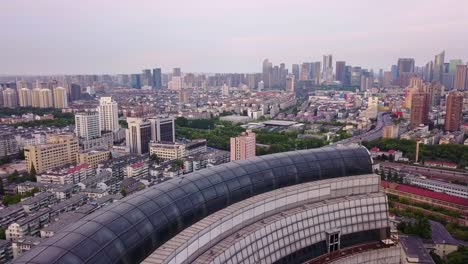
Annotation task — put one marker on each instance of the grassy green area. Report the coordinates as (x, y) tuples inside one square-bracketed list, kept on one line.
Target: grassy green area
[(218, 134), (452, 153), (14, 199)]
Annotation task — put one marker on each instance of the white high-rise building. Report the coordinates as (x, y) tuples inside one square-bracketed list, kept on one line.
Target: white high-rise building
[(225, 90), (108, 114), (46, 99), (36, 97), (261, 86), (25, 97), (290, 83), (87, 125), (60, 98), (162, 129)]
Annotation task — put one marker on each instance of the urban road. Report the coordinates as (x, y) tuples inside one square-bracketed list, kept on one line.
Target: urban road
[(383, 119)]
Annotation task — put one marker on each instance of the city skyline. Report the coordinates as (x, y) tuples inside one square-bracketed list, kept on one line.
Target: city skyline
[(213, 37)]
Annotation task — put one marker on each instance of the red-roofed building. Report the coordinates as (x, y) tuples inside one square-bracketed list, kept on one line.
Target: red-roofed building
[(421, 195), (137, 170)]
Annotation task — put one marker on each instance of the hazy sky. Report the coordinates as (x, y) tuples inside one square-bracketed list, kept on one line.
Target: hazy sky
[(125, 36)]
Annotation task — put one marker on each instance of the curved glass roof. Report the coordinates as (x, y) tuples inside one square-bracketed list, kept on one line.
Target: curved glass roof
[(129, 230)]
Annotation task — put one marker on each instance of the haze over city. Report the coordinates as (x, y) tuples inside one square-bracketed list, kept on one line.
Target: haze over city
[(95, 37)]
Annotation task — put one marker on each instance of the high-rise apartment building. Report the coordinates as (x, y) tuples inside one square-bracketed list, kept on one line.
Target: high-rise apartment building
[(60, 98), (60, 150), (108, 114), (290, 83), (135, 80), (419, 109), (157, 78), (243, 146), (25, 97), (87, 125), (429, 71), (340, 71), (10, 98), (461, 75), (138, 135), (454, 109), (46, 99)]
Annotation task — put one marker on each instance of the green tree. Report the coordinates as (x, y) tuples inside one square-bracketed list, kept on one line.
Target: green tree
[(458, 257), (123, 192), (155, 158), (32, 171), (177, 164), (2, 233)]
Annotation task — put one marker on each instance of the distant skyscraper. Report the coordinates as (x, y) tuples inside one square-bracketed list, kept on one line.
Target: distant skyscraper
[(157, 78), (138, 135), (394, 71), (387, 79), (439, 67), (355, 76), (296, 71), (87, 125), (108, 114), (267, 69), (453, 65), (243, 146), (429, 72), (60, 98), (147, 78), (136, 81), (10, 98), (340, 71), (461, 75), (25, 97), (176, 72), (315, 72), (454, 109), (290, 83), (75, 92), (183, 96), (327, 72), (419, 109), (405, 70), (225, 90), (304, 72)]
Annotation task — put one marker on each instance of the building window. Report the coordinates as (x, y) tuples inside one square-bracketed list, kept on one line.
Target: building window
[(333, 241)]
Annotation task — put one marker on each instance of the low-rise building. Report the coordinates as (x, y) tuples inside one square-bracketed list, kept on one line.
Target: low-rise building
[(8, 145), (68, 205), (106, 140), (38, 201), (64, 220), (67, 175), (137, 170), (11, 214), (440, 164), (23, 244), (6, 252), (93, 157), (29, 225), (168, 150)]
